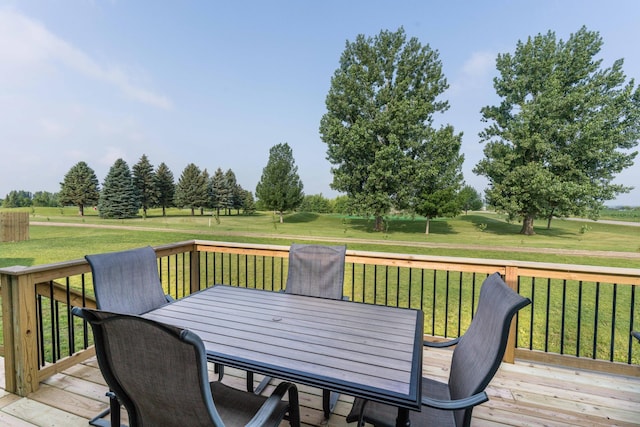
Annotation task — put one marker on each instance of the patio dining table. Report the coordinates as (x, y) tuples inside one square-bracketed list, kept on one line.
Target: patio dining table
[(363, 350)]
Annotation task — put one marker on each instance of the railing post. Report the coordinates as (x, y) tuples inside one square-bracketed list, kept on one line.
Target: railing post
[(20, 337), (194, 278), (511, 279)]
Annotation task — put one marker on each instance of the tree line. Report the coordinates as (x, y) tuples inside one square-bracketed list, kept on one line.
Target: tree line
[(126, 191), (564, 128)]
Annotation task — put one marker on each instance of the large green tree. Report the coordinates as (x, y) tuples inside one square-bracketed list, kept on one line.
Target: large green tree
[(563, 129), (470, 199), (165, 187), (191, 190), (380, 110), (144, 180), (18, 199), (119, 197), (280, 187), (436, 176), (79, 187)]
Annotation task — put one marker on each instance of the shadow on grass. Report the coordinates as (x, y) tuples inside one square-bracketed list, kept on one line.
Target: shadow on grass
[(403, 225), (499, 227), (302, 217), (10, 262)]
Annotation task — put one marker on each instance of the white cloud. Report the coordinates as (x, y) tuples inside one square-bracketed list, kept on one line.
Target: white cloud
[(53, 128), (475, 73), (27, 47)]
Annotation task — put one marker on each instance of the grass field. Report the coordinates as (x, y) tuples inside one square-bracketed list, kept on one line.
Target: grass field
[(60, 235), (477, 235)]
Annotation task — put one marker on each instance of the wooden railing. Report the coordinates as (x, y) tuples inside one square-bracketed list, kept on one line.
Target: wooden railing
[(580, 316)]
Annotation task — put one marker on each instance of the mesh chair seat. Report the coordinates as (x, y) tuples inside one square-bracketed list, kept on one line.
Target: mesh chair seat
[(385, 416), (476, 358), (159, 372), (125, 282), (316, 271)]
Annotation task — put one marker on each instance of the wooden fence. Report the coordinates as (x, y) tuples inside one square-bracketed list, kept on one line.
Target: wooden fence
[(14, 226)]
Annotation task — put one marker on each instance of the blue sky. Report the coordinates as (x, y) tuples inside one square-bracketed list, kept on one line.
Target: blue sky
[(219, 83)]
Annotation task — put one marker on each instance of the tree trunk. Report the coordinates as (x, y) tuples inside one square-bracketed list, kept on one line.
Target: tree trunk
[(281, 220), (527, 225), (378, 226), (193, 212), (549, 219), (164, 211), (81, 209), (426, 230)]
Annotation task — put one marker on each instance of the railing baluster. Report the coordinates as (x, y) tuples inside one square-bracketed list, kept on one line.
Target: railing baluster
[(533, 305), (579, 320), (595, 322), (546, 316), (613, 322)]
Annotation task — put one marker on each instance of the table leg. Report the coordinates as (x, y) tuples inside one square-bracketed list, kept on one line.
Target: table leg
[(403, 418)]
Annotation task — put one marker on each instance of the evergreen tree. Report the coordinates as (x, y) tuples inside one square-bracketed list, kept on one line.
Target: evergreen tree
[(206, 201), (563, 129), (218, 191), (165, 187), (119, 197), (191, 190), (144, 180), (379, 114), (280, 187), (248, 203), (235, 191), (80, 187)]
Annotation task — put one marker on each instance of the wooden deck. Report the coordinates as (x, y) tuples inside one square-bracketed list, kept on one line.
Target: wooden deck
[(521, 394)]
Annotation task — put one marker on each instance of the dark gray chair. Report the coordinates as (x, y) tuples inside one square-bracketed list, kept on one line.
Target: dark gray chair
[(636, 335), (476, 358), (159, 373), (125, 282), (317, 271)]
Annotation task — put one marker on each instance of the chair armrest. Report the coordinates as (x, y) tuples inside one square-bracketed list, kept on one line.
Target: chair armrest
[(636, 334), (451, 405), (441, 344), (271, 404), (169, 298)]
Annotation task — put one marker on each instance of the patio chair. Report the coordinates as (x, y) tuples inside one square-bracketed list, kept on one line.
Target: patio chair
[(317, 271), (636, 335), (125, 282), (476, 358), (159, 373)]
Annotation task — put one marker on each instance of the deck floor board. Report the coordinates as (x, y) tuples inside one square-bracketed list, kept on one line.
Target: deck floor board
[(521, 394)]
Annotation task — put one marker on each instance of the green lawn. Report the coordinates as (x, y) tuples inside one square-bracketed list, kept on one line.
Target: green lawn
[(478, 235)]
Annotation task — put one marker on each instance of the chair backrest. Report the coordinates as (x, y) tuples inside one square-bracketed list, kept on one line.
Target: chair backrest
[(159, 372), (127, 281), (479, 353), (316, 270)]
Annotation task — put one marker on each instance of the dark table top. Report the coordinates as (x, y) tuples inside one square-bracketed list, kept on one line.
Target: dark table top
[(358, 349)]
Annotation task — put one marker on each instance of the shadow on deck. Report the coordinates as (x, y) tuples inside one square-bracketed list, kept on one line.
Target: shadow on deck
[(521, 394)]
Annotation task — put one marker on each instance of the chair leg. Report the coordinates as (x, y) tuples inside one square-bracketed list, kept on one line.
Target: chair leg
[(329, 400), (218, 369), (263, 384), (250, 381), (113, 409)]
